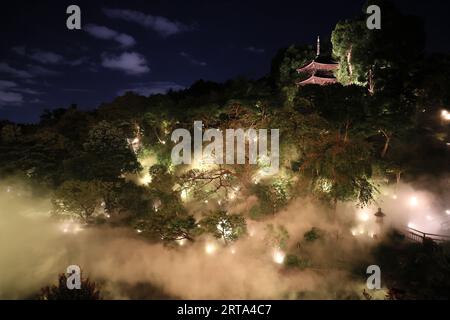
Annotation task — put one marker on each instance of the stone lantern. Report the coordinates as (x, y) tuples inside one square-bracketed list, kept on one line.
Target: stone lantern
[(379, 216)]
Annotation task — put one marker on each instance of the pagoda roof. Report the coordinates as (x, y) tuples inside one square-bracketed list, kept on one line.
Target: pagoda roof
[(323, 81), (315, 65)]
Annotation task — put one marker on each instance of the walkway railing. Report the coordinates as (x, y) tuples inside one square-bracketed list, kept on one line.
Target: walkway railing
[(419, 236)]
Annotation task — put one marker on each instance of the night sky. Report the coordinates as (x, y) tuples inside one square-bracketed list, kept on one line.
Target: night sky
[(152, 46)]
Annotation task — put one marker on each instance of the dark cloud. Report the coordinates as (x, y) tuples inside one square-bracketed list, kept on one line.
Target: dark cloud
[(153, 87), (163, 26), (7, 97), (10, 98), (106, 33), (36, 100), (42, 71), (47, 57), (12, 94), (6, 68), (20, 50), (255, 50), (76, 90), (192, 60), (7, 84), (27, 91), (131, 63), (78, 62)]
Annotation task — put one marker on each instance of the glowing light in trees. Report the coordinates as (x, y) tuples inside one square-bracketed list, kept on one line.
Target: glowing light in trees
[(233, 193), (184, 194), (156, 205), (278, 256), (71, 227), (146, 179), (445, 115), (325, 185), (222, 228), (210, 248), (363, 216), (413, 202)]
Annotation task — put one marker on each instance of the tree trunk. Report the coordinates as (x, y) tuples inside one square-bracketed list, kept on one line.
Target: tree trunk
[(347, 126), (386, 147), (370, 81), (349, 61), (334, 215), (387, 136), (398, 176)]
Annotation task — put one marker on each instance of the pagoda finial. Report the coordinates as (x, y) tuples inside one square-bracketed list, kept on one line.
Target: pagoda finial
[(318, 46)]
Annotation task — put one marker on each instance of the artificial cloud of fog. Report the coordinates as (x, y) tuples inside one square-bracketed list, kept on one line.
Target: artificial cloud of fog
[(34, 250)]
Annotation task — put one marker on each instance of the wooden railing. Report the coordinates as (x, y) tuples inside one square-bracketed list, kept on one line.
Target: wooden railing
[(419, 236)]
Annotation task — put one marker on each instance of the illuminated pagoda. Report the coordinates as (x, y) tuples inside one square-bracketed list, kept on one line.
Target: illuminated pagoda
[(320, 70)]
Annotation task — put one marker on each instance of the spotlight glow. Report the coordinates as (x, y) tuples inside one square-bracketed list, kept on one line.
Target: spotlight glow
[(71, 227), (210, 248), (445, 115), (146, 179), (413, 202), (278, 256), (184, 195), (363, 216)]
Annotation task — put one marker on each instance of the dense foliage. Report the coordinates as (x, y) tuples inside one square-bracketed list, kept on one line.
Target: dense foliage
[(112, 165)]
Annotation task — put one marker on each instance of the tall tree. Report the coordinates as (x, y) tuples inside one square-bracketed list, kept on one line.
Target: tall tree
[(382, 59), (109, 152)]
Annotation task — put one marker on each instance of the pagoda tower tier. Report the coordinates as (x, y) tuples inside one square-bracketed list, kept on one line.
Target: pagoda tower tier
[(320, 70)]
